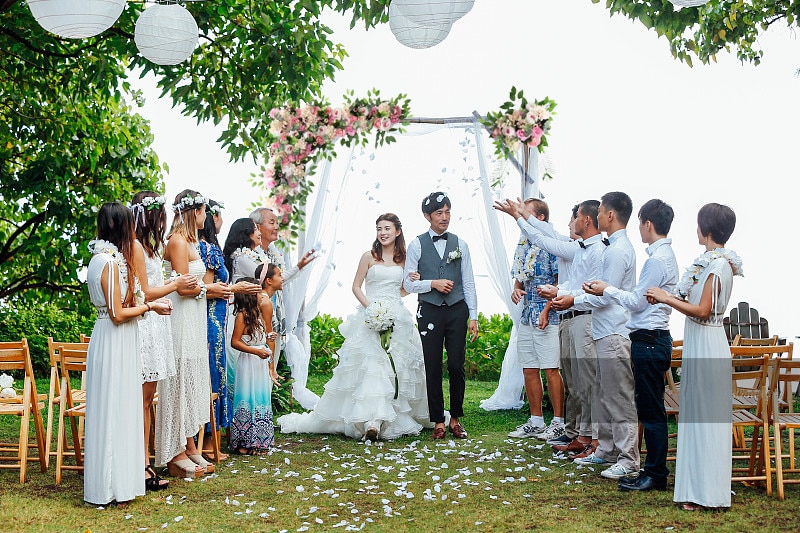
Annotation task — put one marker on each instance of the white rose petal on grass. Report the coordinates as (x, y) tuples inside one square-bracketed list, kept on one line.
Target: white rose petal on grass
[(264, 515), (430, 327), (178, 518), (128, 516), (299, 488)]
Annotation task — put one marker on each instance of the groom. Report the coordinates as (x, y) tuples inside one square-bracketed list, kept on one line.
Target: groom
[(447, 300)]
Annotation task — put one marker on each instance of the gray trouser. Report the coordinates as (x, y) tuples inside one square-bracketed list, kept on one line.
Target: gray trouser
[(584, 371), (614, 406), (567, 356)]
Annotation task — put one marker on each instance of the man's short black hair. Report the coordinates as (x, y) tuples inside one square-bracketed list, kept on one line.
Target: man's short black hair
[(435, 201)]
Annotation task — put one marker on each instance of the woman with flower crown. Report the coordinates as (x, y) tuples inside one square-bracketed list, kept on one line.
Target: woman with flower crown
[(704, 428), (217, 271), (372, 394), (184, 398), (155, 333), (114, 447)]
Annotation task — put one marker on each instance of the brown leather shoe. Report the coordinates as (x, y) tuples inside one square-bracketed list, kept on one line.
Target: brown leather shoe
[(438, 433), (587, 451), (458, 431), (574, 446)]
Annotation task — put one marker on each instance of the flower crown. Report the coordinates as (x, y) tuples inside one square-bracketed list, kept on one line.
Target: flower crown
[(189, 202), (151, 202), (215, 209)]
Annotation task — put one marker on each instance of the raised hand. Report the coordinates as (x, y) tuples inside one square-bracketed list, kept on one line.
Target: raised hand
[(595, 287)]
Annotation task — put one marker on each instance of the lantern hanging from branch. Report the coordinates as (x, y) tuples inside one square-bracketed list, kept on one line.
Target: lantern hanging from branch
[(414, 35), (433, 12), (76, 19), (166, 34)]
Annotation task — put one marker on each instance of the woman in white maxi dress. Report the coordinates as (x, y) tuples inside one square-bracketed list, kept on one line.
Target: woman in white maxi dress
[(113, 438), (366, 398), (703, 462)]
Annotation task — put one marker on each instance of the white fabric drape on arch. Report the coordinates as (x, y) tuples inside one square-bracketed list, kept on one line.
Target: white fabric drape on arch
[(302, 296)]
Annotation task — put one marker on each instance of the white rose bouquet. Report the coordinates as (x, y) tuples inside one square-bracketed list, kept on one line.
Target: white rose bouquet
[(7, 386), (380, 317)]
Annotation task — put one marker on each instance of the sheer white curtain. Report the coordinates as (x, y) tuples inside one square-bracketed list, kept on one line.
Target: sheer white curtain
[(508, 394), (303, 294)]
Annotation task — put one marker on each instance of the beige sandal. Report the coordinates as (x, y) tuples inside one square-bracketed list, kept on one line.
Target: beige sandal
[(208, 468), (183, 468)]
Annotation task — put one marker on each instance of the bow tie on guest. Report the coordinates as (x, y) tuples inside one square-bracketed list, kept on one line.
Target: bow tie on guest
[(580, 243), (606, 241), (443, 236)]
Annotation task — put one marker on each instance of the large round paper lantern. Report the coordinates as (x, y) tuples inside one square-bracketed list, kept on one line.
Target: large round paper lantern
[(76, 19), (433, 12), (689, 3), (413, 35), (166, 34)]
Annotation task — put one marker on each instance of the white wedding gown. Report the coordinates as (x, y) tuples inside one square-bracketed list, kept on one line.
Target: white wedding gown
[(362, 389)]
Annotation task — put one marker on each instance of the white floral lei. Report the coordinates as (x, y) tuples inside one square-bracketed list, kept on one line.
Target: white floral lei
[(100, 246), (692, 274), (247, 252), (524, 266)]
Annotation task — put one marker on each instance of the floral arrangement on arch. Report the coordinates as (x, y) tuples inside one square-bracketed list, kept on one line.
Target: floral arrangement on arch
[(520, 123), (304, 135)]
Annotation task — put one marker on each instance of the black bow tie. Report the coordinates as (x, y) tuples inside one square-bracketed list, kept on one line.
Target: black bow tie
[(443, 236), (606, 241), (580, 243)]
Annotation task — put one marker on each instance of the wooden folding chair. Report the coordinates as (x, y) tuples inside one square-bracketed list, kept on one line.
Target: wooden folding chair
[(762, 370), (79, 395), (215, 440), (738, 340), (788, 378), (70, 360), (15, 356)]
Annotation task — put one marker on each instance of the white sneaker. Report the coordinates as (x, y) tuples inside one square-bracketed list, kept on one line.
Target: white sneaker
[(617, 471), (526, 430), (553, 431)]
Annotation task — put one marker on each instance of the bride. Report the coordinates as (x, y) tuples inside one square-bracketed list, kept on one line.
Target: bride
[(371, 396)]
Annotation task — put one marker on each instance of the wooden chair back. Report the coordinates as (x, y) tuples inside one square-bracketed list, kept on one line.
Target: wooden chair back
[(745, 321), (789, 378), (55, 386), (71, 406), (16, 357)]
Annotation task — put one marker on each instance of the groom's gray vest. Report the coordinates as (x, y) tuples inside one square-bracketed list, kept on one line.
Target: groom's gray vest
[(431, 266)]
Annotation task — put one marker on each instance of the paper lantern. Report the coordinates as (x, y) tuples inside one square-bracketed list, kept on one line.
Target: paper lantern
[(433, 12), (76, 19), (688, 3), (413, 35), (166, 34)]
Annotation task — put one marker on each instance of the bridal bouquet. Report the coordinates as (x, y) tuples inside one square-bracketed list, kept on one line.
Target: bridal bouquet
[(520, 123), (380, 317)]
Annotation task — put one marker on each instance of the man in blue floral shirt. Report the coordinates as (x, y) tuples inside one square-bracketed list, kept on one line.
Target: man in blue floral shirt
[(537, 341)]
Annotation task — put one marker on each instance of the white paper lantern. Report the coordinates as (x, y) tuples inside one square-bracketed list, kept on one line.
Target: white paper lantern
[(76, 19), (433, 12), (413, 35), (688, 3), (166, 34)]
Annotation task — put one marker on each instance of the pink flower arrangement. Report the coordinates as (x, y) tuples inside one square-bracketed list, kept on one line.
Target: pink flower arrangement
[(520, 123), (303, 135)]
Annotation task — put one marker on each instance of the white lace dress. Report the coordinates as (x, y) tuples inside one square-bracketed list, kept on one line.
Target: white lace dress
[(114, 441), (362, 388), (183, 399), (155, 332)]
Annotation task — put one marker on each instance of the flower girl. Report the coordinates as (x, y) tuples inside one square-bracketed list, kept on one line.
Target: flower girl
[(252, 429)]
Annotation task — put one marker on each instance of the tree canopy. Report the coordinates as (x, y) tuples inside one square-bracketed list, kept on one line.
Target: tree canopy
[(703, 31), (70, 136)]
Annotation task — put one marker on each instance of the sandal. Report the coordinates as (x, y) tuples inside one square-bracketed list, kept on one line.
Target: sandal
[(184, 469), (207, 455), (689, 506), (208, 467), (154, 482)]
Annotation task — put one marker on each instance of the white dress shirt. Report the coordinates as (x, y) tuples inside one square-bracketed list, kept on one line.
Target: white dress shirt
[(413, 254), (660, 270), (273, 255), (619, 270)]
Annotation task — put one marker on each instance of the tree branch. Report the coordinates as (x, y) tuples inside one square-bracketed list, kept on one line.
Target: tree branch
[(8, 251)]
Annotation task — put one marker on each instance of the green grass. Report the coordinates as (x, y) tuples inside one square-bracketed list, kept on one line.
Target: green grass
[(486, 483)]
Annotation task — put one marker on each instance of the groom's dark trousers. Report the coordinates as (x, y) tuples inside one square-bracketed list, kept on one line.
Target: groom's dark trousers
[(449, 331)]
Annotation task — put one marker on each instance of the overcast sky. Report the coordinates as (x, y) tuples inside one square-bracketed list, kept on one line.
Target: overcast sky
[(630, 118)]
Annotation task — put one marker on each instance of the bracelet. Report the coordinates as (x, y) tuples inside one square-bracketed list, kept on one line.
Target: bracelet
[(202, 293), (148, 307)]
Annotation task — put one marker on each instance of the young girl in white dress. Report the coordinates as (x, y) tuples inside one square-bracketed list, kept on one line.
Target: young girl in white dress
[(703, 462), (370, 395), (114, 447), (183, 405)]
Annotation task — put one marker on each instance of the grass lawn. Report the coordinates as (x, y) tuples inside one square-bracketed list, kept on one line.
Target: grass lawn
[(328, 483)]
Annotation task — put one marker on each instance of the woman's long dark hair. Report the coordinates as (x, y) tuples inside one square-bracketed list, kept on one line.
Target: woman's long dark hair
[(399, 243), (247, 305), (238, 237), (150, 223), (209, 231), (115, 225)]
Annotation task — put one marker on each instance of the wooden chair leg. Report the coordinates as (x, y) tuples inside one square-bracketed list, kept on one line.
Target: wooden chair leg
[(214, 434), (61, 440), (22, 454)]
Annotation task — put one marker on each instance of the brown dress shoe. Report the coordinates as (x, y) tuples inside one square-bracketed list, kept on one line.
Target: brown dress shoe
[(458, 431), (587, 451), (574, 446), (438, 433)]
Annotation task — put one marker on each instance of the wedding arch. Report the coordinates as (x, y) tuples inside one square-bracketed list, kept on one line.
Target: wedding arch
[(305, 148)]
